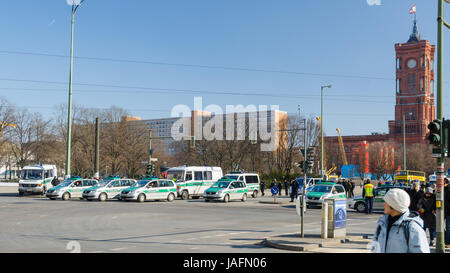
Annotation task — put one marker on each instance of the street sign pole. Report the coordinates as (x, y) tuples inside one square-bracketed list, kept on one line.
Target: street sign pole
[(305, 168), (440, 221)]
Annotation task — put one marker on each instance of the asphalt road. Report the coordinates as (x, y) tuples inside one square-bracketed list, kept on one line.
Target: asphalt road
[(36, 224)]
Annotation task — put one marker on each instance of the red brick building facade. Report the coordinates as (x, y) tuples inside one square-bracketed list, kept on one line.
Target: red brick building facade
[(414, 106)]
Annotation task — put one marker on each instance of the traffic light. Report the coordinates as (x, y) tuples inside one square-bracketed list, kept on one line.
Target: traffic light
[(435, 132), (192, 144), (311, 153), (310, 165), (150, 169)]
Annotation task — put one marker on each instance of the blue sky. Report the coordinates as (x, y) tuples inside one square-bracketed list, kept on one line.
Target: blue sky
[(349, 44)]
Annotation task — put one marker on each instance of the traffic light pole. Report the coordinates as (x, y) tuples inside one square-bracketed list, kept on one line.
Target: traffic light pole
[(305, 167), (150, 154), (440, 205)]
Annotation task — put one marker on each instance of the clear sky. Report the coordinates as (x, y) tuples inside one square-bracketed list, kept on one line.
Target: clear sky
[(148, 55)]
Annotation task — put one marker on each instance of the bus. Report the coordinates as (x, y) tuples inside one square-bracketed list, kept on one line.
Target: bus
[(408, 177)]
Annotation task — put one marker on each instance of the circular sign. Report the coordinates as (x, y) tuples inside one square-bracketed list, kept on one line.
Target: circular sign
[(274, 190)]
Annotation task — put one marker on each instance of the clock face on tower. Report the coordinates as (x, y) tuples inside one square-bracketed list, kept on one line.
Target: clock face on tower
[(412, 63)]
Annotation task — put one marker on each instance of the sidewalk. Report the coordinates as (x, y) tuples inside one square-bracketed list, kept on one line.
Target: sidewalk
[(313, 243)]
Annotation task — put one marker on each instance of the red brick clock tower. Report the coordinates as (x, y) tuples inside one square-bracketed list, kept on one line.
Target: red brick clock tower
[(415, 99)]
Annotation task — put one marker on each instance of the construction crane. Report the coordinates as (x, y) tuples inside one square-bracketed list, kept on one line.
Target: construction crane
[(4, 124), (341, 147)]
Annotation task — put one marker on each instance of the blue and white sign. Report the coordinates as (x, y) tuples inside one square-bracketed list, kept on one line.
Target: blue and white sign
[(340, 213), (274, 190)]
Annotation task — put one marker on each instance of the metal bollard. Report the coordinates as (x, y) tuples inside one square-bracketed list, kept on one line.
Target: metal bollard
[(324, 220)]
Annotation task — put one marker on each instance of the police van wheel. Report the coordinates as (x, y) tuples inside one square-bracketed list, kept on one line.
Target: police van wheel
[(184, 195), (141, 198), (244, 197), (226, 198), (102, 197), (20, 193), (171, 197), (65, 196), (255, 194), (360, 207)]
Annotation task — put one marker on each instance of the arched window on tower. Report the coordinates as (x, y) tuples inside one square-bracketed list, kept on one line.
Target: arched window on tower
[(409, 83), (397, 86), (432, 87)]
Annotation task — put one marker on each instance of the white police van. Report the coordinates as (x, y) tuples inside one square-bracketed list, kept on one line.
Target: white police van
[(251, 179), (192, 181), (36, 178)]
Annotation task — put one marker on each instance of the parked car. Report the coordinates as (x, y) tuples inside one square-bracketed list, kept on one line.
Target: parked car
[(358, 203), (154, 189), (109, 188), (70, 188), (226, 190), (322, 191)]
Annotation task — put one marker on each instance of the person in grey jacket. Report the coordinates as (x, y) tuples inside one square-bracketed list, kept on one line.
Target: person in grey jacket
[(399, 230)]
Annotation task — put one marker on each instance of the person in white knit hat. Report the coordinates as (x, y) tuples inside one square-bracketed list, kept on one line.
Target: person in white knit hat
[(399, 230)]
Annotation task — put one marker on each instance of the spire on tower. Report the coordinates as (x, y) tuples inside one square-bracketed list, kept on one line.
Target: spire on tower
[(415, 36)]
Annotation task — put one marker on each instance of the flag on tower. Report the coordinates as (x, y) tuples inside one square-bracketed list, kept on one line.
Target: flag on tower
[(412, 10)]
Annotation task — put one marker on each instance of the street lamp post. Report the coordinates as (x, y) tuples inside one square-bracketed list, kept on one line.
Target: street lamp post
[(404, 141), (75, 6), (321, 128)]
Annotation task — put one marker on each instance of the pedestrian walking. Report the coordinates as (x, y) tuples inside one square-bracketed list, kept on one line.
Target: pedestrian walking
[(348, 188), (286, 187), (447, 212), (280, 187), (368, 194), (294, 191), (428, 214), (416, 196), (262, 187), (55, 181), (352, 188), (399, 230)]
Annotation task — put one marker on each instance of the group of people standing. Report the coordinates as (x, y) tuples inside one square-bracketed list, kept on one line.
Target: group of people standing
[(349, 186), (290, 188), (408, 214)]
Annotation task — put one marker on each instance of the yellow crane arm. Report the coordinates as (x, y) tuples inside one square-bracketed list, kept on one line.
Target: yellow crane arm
[(341, 147)]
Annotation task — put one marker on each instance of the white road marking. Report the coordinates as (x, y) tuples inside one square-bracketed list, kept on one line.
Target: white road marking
[(119, 249)]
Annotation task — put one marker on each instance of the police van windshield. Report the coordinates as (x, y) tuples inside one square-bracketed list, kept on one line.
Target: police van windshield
[(221, 185), (31, 174), (178, 175), (322, 188)]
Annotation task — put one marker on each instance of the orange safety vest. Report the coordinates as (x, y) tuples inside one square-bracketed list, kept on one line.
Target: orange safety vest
[(368, 190)]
